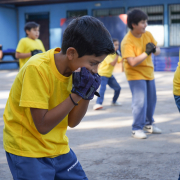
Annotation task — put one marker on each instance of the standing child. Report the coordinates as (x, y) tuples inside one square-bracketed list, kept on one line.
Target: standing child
[(176, 85), (29, 45), (105, 71), (136, 48), (40, 106), (176, 88)]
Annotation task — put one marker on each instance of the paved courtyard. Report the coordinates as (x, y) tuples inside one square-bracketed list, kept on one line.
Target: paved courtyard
[(103, 142)]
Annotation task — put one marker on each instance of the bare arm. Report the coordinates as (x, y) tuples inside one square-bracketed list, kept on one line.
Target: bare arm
[(115, 61), (134, 61), (22, 55), (1, 54), (45, 120), (77, 113)]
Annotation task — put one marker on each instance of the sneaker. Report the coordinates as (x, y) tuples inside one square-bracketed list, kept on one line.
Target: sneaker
[(139, 134), (116, 104), (152, 129), (97, 106)]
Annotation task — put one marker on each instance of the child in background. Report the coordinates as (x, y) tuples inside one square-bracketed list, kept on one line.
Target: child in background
[(136, 49), (105, 70), (176, 88), (40, 106), (176, 85), (30, 45)]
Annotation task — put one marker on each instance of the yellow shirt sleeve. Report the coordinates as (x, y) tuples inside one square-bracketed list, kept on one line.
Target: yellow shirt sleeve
[(108, 60), (35, 90), (127, 50), (176, 81), (119, 59), (21, 46)]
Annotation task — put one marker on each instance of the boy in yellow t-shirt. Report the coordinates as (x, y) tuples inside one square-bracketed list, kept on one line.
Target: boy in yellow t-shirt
[(176, 85), (29, 45), (42, 103), (105, 70), (136, 49)]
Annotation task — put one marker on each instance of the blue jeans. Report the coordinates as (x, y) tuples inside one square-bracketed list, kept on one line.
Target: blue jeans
[(113, 84), (177, 100), (143, 102), (63, 167)]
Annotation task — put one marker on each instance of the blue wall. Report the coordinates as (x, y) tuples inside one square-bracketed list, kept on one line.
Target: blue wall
[(8, 21), (58, 11), (8, 32), (13, 19)]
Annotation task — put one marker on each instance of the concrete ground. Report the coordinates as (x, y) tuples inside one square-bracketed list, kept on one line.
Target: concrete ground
[(103, 142)]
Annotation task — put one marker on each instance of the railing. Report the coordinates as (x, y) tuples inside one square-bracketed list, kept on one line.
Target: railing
[(167, 60)]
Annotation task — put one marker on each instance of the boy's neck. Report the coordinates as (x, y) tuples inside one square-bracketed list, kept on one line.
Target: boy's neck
[(135, 34), (61, 64), (31, 38)]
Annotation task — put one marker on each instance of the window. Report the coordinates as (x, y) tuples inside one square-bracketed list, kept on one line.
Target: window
[(108, 12), (174, 25), (76, 13)]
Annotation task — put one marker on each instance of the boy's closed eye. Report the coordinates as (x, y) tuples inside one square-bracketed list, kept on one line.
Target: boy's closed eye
[(94, 63)]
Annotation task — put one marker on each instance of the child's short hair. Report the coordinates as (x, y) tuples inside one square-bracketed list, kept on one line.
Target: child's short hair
[(115, 40), (135, 16), (88, 36), (29, 25)]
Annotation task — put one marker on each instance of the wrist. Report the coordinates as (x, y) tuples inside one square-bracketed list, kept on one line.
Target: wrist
[(76, 97), (146, 53)]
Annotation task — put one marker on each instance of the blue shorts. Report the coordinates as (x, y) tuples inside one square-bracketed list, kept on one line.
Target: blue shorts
[(63, 167)]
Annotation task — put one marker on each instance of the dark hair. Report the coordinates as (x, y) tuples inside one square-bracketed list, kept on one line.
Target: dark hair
[(29, 25), (135, 16), (114, 40), (88, 36)]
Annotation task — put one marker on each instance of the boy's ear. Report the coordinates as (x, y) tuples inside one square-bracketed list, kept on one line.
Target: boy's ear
[(71, 53), (27, 31), (134, 25)]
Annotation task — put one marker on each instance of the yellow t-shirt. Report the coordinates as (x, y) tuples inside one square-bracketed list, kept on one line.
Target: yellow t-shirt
[(176, 81), (105, 68), (37, 85), (133, 47), (27, 45)]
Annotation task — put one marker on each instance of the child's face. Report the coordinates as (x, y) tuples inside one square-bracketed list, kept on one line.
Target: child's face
[(90, 62), (140, 28), (33, 33), (116, 45)]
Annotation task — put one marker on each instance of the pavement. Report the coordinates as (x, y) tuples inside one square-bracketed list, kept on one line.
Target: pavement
[(103, 142)]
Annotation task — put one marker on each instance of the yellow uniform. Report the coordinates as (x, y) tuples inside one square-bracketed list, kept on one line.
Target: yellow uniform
[(133, 47), (176, 81), (105, 68), (38, 85), (27, 45)]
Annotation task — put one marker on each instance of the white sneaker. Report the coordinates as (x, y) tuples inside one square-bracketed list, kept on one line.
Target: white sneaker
[(152, 129), (97, 106), (139, 134), (116, 104)]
